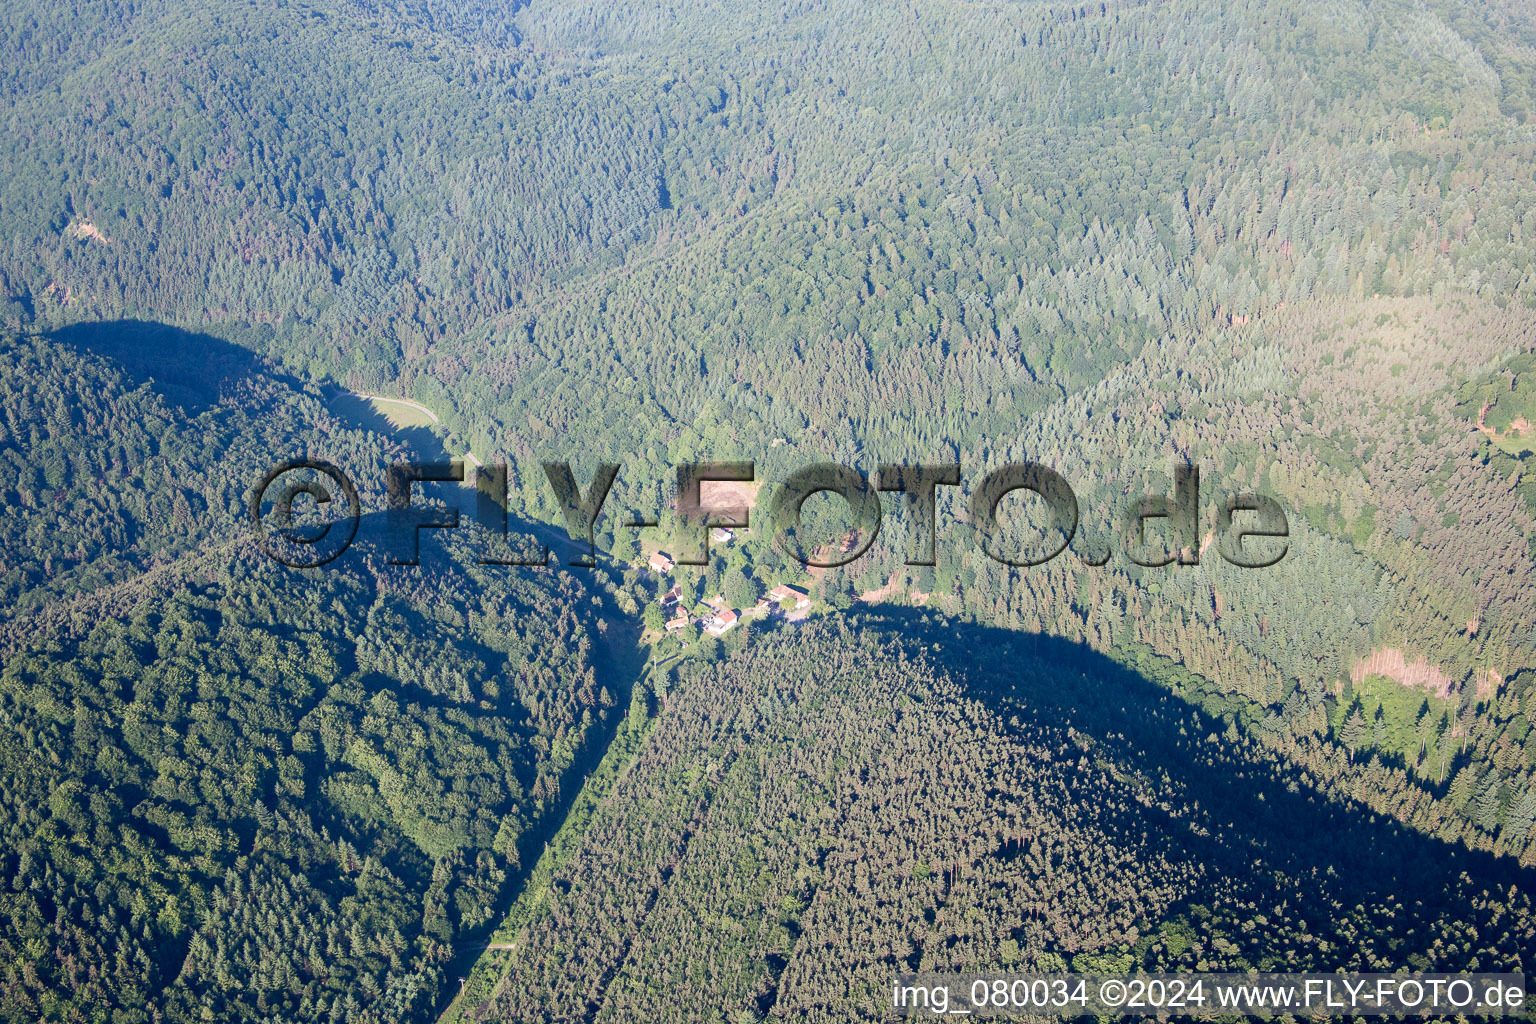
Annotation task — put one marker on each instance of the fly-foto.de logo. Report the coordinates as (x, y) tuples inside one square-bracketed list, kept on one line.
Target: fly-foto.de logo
[(1250, 529)]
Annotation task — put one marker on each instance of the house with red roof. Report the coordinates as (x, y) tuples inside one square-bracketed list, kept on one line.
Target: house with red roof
[(779, 593), (722, 620)]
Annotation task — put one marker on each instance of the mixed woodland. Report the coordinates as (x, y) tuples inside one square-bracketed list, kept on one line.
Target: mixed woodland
[(1291, 244)]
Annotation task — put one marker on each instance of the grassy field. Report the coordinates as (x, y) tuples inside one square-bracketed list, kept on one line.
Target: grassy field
[(400, 413), (409, 421)]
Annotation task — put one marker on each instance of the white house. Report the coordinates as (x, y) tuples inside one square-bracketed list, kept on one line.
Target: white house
[(718, 623)]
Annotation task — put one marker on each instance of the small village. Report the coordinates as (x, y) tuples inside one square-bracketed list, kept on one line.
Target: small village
[(713, 615)]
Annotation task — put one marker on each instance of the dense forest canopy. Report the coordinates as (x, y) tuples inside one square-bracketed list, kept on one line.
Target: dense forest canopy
[(894, 793), (235, 789), (1289, 243)]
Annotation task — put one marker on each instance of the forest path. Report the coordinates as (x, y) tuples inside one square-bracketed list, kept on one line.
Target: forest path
[(73, 615), (481, 972), (623, 664)]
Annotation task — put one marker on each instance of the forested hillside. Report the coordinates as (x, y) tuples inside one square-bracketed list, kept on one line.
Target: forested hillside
[(226, 796), (575, 232), (231, 790), (897, 792), (1292, 244), (129, 444)]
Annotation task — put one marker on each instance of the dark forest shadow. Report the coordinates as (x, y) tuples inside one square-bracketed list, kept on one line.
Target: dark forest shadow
[(190, 370), (1253, 805), (356, 411)]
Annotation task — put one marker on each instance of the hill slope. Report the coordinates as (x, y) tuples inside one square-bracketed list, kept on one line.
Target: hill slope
[(232, 788), (892, 792)]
